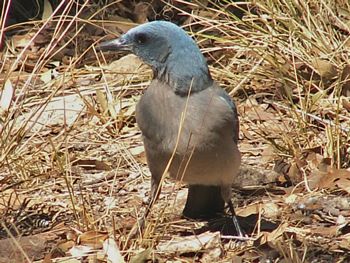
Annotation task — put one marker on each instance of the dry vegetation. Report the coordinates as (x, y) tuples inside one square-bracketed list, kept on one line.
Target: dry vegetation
[(72, 165)]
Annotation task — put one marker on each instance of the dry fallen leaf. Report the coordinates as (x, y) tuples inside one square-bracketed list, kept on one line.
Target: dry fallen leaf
[(125, 65), (268, 154), (80, 251), (121, 23), (6, 97), (21, 41), (111, 249), (268, 209), (345, 77), (93, 238), (325, 68), (59, 111), (142, 256), (194, 243), (258, 113), (330, 231), (47, 10), (332, 179), (101, 99), (34, 247), (274, 236)]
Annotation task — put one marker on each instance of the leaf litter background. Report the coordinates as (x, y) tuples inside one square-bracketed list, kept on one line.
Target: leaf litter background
[(73, 175)]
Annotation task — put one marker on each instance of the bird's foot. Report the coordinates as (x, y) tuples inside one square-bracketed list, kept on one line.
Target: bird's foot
[(242, 239), (240, 231)]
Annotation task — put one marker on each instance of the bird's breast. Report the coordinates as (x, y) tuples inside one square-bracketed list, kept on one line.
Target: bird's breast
[(157, 114), (198, 129), (167, 120)]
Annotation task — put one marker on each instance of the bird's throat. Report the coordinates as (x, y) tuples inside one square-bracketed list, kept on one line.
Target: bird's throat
[(183, 84)]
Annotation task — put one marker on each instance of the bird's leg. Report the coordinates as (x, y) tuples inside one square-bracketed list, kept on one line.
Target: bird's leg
[(203, 202), (155, 191), (239, 230), (226, 195)]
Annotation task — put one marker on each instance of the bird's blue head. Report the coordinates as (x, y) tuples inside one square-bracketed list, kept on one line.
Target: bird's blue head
[(173, 55)]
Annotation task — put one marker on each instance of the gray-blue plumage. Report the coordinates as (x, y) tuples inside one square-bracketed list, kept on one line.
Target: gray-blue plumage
[(173, 55), (186, 119)]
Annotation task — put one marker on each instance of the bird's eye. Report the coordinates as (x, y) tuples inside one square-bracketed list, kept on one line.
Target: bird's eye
[(141, 38)]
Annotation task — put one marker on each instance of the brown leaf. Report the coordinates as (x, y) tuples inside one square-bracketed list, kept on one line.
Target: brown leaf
[(101, 99), (258, 112), (346, 102), (33, 247), (333, 179), (249, 148), (141, 12), (121, 23), (268, 154), (345, 78), (21, 41), (248, 210), (294, 173), (274, 235), (345, 242), (125, 65), (330, 231), (93, 238), (325, 68), (142, 256), (268, 209), (344, 183), (65, 246)]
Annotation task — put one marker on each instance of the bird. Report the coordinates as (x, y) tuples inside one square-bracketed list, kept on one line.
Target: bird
[(189, 124)]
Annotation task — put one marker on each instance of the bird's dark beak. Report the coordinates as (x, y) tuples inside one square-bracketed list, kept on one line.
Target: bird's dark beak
[(119, 44)]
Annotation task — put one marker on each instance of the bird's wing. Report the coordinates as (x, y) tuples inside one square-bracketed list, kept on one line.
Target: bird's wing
[(227, 99)]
